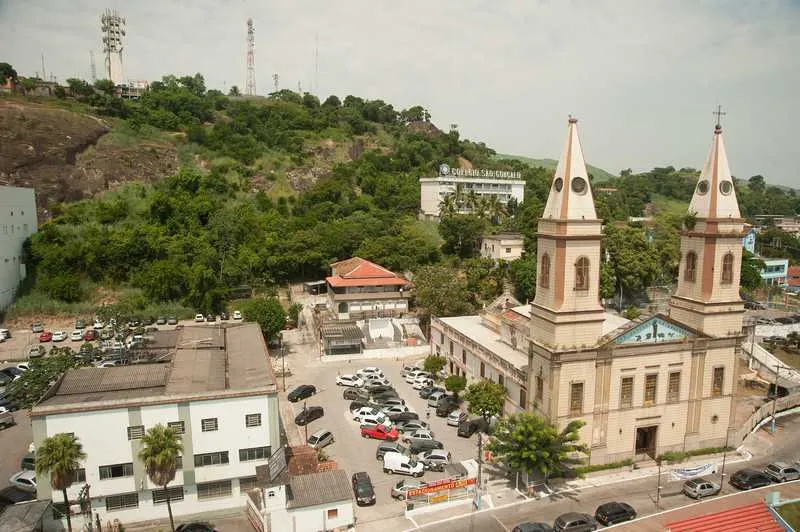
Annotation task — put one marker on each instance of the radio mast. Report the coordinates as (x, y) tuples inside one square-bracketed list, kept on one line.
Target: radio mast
[(250, 87), (92, 67)]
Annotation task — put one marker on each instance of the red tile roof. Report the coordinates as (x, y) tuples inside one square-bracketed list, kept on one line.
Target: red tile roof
[(751, 518), (794, 275), (360, 272)]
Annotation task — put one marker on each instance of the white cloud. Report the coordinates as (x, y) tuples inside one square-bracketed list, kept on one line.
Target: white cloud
[(643, 77)]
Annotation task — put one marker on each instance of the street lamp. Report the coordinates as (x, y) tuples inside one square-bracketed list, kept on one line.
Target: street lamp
[(305, 421)]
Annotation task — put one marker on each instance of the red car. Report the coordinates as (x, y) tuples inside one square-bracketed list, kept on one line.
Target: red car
[(379, 432), (89, 335), (46, 336)]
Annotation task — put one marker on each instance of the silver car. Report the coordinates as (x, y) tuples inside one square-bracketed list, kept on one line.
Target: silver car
[(782, 471), (400, 489), (697, 488), (418, 435), (320, 439)]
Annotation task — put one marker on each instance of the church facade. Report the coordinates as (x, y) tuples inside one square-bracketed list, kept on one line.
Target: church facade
[(662, 384)]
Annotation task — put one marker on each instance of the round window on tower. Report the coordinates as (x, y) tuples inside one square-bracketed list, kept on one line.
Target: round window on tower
[(702, 187), (726, 187), (579, 185), (558, 184)]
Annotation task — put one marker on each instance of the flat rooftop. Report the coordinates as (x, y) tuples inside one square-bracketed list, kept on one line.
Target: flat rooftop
[(612, 321), (205, 362), (473, 328)]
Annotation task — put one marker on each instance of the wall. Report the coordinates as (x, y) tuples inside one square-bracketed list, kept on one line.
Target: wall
[(316, 518), (17, 222)]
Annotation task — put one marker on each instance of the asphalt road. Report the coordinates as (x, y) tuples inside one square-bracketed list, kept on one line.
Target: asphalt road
[(641, 494), (14, 442)]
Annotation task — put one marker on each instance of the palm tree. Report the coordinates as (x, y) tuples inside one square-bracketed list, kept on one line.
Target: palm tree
[(59, 455), (160, 456), (447, 207)]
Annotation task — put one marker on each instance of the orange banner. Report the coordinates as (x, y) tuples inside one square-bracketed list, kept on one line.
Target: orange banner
[(441, 486)]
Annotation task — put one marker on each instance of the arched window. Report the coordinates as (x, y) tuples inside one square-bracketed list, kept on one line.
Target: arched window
[(582, 274), (727, 268), (690, 270), (544, 271)]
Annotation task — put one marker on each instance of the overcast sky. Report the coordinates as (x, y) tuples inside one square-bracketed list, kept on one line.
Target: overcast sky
[(643, 77)]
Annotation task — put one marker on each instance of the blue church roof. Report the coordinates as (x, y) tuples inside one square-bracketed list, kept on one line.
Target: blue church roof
[(653, 331)]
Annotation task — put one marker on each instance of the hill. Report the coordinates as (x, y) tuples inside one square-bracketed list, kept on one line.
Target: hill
[(599, 174)]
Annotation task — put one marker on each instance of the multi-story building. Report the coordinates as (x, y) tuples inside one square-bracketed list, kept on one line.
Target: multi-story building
[(358, 288), (17, 223), (775, 272), (788, 224), (502, 246), (461, 183), (218, 392), (794, 279)]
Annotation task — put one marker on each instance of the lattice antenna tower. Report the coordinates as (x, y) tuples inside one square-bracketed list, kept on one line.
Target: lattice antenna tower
[(112, 25), (275, 79), (250, 87), (92, 67)]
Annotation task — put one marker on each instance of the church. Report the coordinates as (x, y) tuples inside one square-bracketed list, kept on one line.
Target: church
[(665, 383)]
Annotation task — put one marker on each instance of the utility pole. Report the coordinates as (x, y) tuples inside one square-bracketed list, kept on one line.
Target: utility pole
[(305, 425), (658, 490), (480, 472), (778, 368), (724, 457), (250, 85), (283, 362)]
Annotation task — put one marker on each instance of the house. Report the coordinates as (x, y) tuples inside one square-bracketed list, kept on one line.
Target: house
[(18, 222), (358, 288), (217, 391), (502, 246), (794, 279), (775, 272), (481, 184), (749, 240)]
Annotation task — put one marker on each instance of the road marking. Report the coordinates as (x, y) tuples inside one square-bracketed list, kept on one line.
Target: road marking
[(500, 522)]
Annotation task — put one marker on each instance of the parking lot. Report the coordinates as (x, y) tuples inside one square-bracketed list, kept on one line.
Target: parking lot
[(354, 453)]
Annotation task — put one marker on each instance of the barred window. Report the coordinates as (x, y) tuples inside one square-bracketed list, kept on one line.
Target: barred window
[(576, 399), (727, 268), (208, 459), (253, 453), (177, 426), (209, 424), (247, 483), (582, 274), (211, 490), (650, 384), (539, 388), (544, 271), (136, 432), (689, 271), (179, 462), (79, 475), (464, 356), (718, 381), (674, 387), (122, 501), (175, 494), (116, 471), (626, 392), (523, 396), (252, 420)]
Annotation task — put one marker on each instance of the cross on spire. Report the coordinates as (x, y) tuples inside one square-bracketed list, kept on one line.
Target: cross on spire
[(718, 113)]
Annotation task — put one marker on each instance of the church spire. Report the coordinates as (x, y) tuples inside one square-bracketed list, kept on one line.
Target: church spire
[(570, 194), (714, 196)]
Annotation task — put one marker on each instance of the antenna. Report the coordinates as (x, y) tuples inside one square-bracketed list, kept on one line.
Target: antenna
[(112, 25), (92, 67), (44, 72), (250, 87), (299, 88), (316, 63), (275, 81)]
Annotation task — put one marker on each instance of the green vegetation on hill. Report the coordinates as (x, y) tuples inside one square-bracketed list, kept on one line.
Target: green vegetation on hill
[(598, 174)]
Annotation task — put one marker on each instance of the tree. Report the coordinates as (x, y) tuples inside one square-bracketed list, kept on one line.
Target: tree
[(60, 456), (441, 291), (631, 312), (526, 442), (268, 313), (7, 73), (106, 86), (522, 272), (751, 268), (234, 91), (433, 364), (486, 398), (29, 84), (455, 384), (160, 452), (33, 384), (462, 234)]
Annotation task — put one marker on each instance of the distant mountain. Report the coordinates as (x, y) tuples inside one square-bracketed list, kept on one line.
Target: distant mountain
[(599, 174)]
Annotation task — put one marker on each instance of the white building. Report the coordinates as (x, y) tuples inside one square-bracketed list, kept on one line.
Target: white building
[(17, 222), (456, 181), (218, 391), (502, 246)]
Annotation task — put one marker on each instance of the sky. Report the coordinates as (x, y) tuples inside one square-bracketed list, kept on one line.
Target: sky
[(643, 77)]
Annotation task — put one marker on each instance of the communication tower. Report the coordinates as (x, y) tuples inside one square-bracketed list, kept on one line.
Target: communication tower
[(92, 67), (250, 87), (113, 32)]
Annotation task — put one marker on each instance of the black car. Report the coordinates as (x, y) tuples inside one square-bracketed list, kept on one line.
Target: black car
[(749, 478), (446, 405), (223, 316), (211, 318), (195, 527), (362, 489), (532, 527), (403, 416), (12, 495), (390, 447), (6, 402), (424, 445), (378, 388), (612, 513), (382, 396), (308, 415), (302, 392), (468, 428), (351, 394), (428, 390), (360, 403)]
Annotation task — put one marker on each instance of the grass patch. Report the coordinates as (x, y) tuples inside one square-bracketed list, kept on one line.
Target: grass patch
[(787, 357), (599, 174), (791, 514), (674, 457), (124, 136), (583, 470)]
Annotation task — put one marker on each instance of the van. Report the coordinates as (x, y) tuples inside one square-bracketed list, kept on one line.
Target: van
[(320, 439), (399, 463)]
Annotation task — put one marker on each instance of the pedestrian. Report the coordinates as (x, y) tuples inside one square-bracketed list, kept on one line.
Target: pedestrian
[(428, 413)]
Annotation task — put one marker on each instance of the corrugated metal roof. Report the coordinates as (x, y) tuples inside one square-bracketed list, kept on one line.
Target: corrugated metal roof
[(319, 488), (24, 516), (91, 380), (751, 518), (196, 370)]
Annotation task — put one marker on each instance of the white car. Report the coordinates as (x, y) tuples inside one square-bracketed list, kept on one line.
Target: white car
[(378, 381), (98, 324), (418, 435), (421, 382), (394, 409), (60, 336), (375, 419), (237, 315), (364, 411), (24, 480), (411, 376), (199, 318), (408, 369), (76, 335), (456, 418), (349, 380), (23, 366), (371, 370)]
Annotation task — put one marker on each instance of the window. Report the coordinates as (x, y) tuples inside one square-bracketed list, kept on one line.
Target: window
[(247, 483), (451, 348), (253, 453), (333, 513), (119, 502), (500, 379), (576, 398), (539, 388), (136, 432), (718, 381), (690, 269), (626, 392), (483, 369), (175, 494), (211, 490), (544, 271), (79, 476), (522, 398), (177, 426), (116, 471), (252, 420), (179, 462), (209, 424), (464, 356), (674, 387), (727, 268), (508, 250), (650, 384), (582, 274), (207, 459)]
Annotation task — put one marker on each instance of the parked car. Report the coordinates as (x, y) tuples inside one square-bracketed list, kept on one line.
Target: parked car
[(574, 522), (749, 478), (411, 426), (372, 387), (468, 428), (428, 390), (89, 335), (5, 334), (404, 417), (37, 328), (365, 411), (24, 480), (433, 399), (393, 401), (532, 527), (172, 320), (456, 418), (36, 351), (161, 320), (195, 527), (394, 409), (400, 489), (59, 336), (237, 315), (6, 418), (420, 434), (377, 381), (45, 336), (383, 396), (422, 382), (223, 316), (697, 488), (379, 432), (390, 447), (98, 324), (612, 513), (358, 404), (446, 405), (80, 325), (362, 489), (418, 446), (8, 403), (13, 495), (781, 471), (378, 418), (28, 462), (369, 370), (199, 318), (76, 335), (435, 459), (352, 394), (402, 464), (406, 369), (320, 439), (349, 380), (308, 415), (303, 391), (412, 375)]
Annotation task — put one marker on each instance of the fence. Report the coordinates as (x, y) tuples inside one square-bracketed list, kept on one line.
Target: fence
[(783, 403)]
